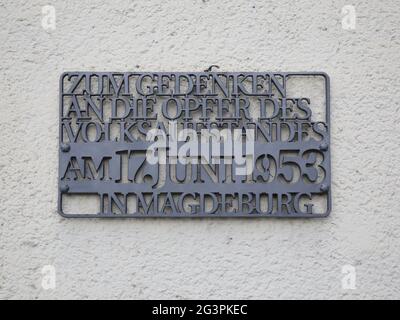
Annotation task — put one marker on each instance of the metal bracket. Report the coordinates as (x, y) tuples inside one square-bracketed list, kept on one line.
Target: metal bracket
[(209, 69)]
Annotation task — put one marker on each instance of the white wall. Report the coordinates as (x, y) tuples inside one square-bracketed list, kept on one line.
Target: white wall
[(202, 258)]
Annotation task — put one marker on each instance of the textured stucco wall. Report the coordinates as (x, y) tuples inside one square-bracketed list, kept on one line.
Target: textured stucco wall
[(202, 258)]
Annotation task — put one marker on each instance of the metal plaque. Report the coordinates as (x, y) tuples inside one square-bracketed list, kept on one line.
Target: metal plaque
[(194, 144)]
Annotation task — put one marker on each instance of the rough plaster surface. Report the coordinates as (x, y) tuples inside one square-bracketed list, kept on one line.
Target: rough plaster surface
[(202, 258)]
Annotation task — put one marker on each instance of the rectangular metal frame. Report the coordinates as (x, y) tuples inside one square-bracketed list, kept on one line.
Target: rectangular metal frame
[(75, 187)]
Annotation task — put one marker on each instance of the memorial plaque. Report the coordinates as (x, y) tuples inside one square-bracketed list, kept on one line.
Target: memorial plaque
[(194, 144)]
